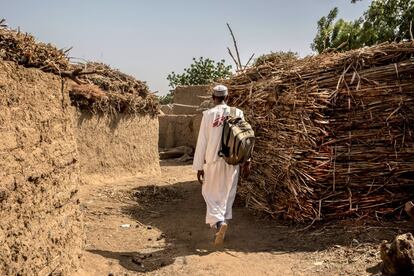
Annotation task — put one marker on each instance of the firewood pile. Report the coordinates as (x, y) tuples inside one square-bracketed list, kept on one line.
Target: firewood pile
[(334, 134), (91, 98), (109, 79), (23, 49), (98, 87), (121, 93)]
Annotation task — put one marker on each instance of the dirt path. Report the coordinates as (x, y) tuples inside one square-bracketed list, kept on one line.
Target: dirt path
[(156, 226)]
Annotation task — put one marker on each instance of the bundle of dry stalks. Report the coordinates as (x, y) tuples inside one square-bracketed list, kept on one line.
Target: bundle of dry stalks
[(122, 93), (109, 79), (90, 97), (335, 133), (99, 88), (23, 49)]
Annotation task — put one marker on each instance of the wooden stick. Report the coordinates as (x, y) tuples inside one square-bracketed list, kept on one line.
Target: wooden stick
[(251, 57), (325, 133), (235, 61), (239, 66), (3, 23)]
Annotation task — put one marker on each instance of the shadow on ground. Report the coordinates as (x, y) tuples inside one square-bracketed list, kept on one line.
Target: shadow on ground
[(174, 163), (178, 211)]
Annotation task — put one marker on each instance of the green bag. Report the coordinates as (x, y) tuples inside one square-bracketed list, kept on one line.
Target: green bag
[(237, 139)]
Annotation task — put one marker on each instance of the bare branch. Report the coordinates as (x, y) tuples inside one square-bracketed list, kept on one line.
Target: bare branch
[(3, 23), (235, 61), (67, 50), (235, 46), (250, 59), (411, 30), (73, 75)]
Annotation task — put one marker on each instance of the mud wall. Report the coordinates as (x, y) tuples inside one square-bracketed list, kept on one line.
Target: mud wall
[(118, 145), (191, 95), (41, 228), (179, 130)]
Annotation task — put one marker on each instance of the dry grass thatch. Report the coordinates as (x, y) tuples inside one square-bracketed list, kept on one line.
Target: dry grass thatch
[(90, 97), (114, 92), (109, 79), (123, 93), (335, 133), (23, 49)]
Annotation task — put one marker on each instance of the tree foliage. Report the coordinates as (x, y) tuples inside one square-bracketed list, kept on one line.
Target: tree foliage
[(166, 99), (201, 71), (385, 20)]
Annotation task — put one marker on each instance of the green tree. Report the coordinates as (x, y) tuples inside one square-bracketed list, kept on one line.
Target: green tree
[(342, 34), (166, 99), (385, 20), (201, 71)]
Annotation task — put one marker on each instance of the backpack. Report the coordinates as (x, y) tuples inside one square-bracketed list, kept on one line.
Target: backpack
[(237, 139)]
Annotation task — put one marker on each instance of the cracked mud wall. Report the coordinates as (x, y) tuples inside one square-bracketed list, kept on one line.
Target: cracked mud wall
[(41, 228)]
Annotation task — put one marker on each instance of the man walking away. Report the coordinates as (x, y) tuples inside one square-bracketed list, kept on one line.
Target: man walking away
[(218, 179)]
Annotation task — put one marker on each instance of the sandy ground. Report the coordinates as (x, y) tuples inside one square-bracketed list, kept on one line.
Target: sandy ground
[(155, 226)]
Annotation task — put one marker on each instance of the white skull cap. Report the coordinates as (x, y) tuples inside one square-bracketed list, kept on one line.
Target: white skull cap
[(220, 90)]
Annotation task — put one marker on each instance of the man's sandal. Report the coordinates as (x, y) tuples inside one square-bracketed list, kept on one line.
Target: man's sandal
[(221, 233)]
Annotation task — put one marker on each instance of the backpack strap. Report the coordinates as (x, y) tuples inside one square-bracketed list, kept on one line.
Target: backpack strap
[(220, 153), (232, 114)]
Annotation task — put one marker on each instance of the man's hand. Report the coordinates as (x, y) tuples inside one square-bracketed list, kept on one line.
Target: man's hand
[(200, 176), (245, 169)]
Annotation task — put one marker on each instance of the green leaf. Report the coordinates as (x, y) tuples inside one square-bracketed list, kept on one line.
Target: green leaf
[(201, 71)]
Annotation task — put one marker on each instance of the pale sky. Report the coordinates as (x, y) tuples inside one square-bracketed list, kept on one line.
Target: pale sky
[(149, 39)]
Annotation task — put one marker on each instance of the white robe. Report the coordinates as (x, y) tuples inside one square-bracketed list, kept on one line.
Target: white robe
[(220, 178)]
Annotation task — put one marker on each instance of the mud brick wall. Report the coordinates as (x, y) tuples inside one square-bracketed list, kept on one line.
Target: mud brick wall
[(119, 145), (191, 95), (179, 130), (40, 222)]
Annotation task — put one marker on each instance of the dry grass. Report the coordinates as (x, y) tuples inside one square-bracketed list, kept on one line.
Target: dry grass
[(23, 49), (109, 79), (91, 97), (119, 93)]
